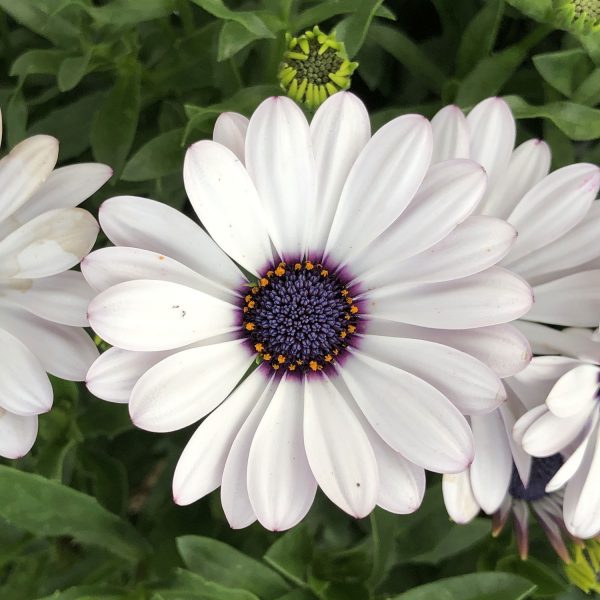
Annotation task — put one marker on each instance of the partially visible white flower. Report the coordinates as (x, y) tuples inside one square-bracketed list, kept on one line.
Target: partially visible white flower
[(372, 303), (42, 303), (558, 225)]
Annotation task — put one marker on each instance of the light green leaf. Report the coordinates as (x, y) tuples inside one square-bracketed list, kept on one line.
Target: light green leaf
[(72, 70), (578, 122), (46, 508), (233, 38), (223, 564), (353, 30), (563, 70), (191, 585), (540, 10), (291, 554), (246, 19), (476, 586), (588, 92)]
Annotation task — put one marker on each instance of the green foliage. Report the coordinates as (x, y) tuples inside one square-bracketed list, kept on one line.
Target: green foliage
[(88, 514)]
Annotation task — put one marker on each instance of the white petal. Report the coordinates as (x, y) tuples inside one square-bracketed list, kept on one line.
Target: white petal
[(230, 131), (24, 386), (511, 411), (410, 415), (553, 207), (227, 204), (380, 185), (492, 466), (582, 496), (142, 223), (448, 195), (281, 485), (501, 347), (575, 391), (554, 301), (338, 450), (280, 161), (475, 245), (450, 134), (200, 467), (158, 315), (491, 297), (116, 371), (547, 340), (234, 486), (569, 467), (116, 264), (17, 434), (340, 129), (526, 421), (24, 169), (529, 163), (469, 384), (64, 351), (458, 497), (51, 243), (493, 132), (62, 298), (184, 387)]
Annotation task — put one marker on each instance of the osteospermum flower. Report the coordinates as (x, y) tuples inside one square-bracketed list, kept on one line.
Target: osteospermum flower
[(42, 304), (364, 291), (558, 224)]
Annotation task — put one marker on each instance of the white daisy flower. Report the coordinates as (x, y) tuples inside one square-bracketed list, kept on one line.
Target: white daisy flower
[(364, 289), (558, 224), (42, 304)]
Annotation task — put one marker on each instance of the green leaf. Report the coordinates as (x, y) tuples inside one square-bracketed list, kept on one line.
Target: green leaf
[(233, 38), (540, 10), (46, 508), (322, 12), (38, 62), (72, 71), (477, 586), (383, 533), (353, 30), (87, 592), (563, 70), (114, 125), (291, 554), (406, 52), (547, 581), (120, 13), (578, 122), (218, 562), (15, 118), (246, 19), (479, 36), (588, 92)]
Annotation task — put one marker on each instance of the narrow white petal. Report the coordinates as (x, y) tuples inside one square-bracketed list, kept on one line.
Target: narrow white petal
[(338, 450), (340, 129), (184, 387), (450, 134), (234, 486), (511, 411), (230, 131), (51, 243), (280, 161), (526, 421), (553, 207), (116, 264), (281, 486), (529, 163), (24, 386), (469, 384), (17, 434), (554, 301), (491, 297), (448, 195), (227, 204), (458, 497), (200, 467), (409, 414), (380, 185), (142, 223), (575, 391), (492, 465), (570, 467), (158, 315), (64, 351), (493, 130), (62, 298), (116, 371), (24, 169)]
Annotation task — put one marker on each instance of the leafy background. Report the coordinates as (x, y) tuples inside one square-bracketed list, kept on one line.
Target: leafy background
[(89, 514)]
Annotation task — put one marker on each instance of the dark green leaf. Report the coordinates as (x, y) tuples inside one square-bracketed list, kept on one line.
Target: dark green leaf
[(130, 12), (355, 28), (233, 38), (383, 533), (15, 118), (588, 92), (72, 70), (540, 10), (563, 70), (85, 592), (291, 554), (248, 20), (546, 579), (36, 62)]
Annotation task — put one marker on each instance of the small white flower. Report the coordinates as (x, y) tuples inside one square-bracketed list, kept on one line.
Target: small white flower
[(371, 299), (42, 304), (558, 225)]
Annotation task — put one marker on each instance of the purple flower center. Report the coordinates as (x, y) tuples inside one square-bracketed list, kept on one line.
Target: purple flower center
[(300, 316), (542, 471)]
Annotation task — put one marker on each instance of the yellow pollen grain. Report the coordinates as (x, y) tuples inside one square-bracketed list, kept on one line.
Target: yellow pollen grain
[(269, 273), (279, 271), (324, 273), (251, 304), (347, 317), (297, 266), (248, 298), (267, 356), (351, 329), (264, 281), (354, 309), (281, 359), (292, 367), (328, 358), (275, 366), (250, 326), (344, 292), (313, 364), (343, 334), (255, 290), (349, 300), (245, 309), (259, 347), (336, 352), (299, 362), (309, 266)]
